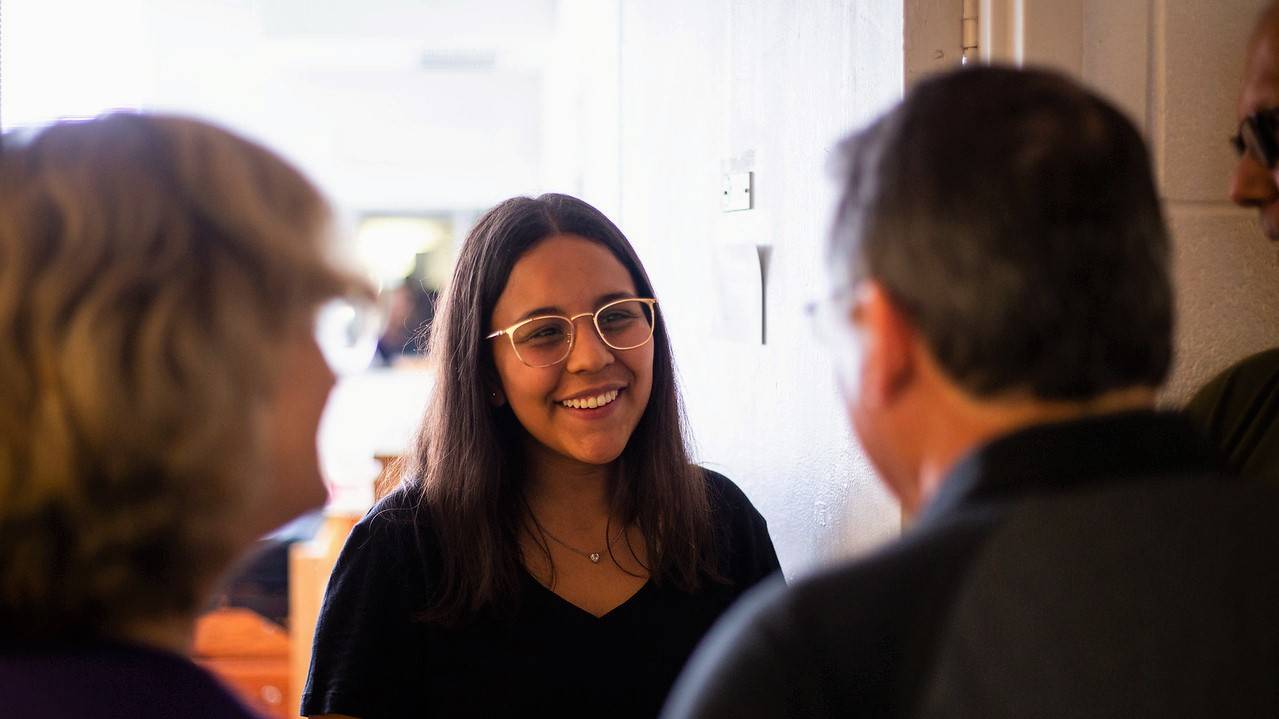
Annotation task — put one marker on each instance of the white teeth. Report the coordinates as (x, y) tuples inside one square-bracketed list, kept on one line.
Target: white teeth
[(591, 402)]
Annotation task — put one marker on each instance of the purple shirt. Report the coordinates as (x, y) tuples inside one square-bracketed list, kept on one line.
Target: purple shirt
[(109, 680)]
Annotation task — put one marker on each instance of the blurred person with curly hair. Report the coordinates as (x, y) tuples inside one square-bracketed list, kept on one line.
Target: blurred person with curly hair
[(160, 390)]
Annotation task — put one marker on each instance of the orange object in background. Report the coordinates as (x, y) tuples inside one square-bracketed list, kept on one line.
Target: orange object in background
[(262, 662), (250, 655)]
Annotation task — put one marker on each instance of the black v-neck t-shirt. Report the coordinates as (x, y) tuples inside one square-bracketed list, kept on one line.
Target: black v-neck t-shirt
[(373, 658)]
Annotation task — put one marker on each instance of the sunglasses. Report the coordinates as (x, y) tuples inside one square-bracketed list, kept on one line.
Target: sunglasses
[(1257, 137)]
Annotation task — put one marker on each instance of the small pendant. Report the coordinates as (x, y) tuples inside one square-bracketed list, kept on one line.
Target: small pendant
[(595, 557)]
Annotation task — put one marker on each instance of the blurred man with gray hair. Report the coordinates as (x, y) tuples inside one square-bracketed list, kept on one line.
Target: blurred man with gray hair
[(1002, 315)]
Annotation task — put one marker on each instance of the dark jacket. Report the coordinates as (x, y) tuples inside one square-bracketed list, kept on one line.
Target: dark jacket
[(1100, 568), (1238, 411)]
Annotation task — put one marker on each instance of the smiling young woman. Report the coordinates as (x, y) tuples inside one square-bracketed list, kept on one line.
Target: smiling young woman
[(552, 549)]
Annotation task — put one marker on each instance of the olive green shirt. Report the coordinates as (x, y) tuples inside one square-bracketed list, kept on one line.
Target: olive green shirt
[(1238, 411)]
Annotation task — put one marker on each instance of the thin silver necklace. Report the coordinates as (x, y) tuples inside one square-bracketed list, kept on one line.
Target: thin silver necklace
[(593, 556)]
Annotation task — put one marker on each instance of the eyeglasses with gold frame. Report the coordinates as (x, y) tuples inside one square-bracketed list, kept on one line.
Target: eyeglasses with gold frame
[(547, 340)]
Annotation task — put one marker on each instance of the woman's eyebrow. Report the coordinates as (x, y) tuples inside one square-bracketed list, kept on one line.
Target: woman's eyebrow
[(605, 299), (551, 310), (540, 311)]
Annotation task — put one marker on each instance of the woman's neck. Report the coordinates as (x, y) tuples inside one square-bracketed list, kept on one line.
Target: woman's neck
[(559, 489)]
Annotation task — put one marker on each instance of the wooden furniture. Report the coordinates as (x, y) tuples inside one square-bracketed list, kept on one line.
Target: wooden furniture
[(310, 564), (250, 655), (261, 661)]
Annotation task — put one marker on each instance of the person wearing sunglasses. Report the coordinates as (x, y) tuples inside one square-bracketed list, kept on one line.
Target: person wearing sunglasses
[(1238, 409), (551, 549)]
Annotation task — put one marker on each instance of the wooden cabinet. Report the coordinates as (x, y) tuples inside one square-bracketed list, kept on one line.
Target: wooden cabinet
[(310, 564), (250, 655)]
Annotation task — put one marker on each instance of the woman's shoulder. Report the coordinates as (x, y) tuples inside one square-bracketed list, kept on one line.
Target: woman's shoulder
[(388, 549), (730, 507), (724, 494), (397, 505), (397, 520), (749, 553)]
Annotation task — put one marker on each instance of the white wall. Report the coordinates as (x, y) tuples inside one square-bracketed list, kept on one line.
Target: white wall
[(580, 150), (1175, 66), (766, 86), (347, 91)]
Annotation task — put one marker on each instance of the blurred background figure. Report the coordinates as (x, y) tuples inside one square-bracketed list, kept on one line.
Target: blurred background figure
[(160, 391), (410, 309)]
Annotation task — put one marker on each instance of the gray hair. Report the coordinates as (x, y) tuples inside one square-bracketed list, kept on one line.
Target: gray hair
[(1013, 216)]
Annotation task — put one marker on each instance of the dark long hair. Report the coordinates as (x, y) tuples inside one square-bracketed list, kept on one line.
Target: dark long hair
[(465, 466)]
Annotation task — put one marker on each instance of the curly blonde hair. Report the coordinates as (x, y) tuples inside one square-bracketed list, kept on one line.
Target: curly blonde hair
[(149, 266)]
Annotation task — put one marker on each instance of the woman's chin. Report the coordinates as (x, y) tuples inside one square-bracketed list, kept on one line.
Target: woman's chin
[(597, 458), (593, 454), (595, 451)]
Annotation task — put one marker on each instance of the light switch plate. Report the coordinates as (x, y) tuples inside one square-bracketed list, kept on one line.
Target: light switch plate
[(739, 192)]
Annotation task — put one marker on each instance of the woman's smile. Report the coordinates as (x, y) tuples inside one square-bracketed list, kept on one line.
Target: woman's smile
[(592, 399)]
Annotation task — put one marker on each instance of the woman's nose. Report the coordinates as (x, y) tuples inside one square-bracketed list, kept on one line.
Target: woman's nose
[(589, 353)]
